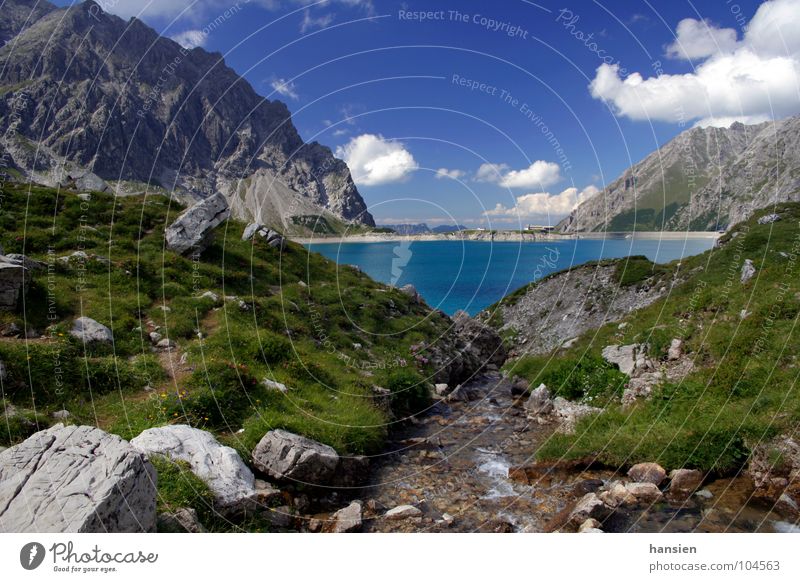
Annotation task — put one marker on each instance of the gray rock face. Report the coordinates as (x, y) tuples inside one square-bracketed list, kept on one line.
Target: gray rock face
[(14, 279), (88, 330), (205, 130), (469, 349), (717, 177), (232, 483), (748, 271), (192, 229), (566, 305), (286, 456), (76, 479)]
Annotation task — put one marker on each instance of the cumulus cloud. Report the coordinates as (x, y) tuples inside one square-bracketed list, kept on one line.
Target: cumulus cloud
[(543, 204), (755, 78), (190, 39), (374, 160), (697, 39), (539, 174), (443, 173), (285, 88), (311, 22), (491, 172)]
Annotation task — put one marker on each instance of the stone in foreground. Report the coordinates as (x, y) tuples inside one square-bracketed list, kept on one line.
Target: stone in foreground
[(286, 456), (76, 479), (232, 483)]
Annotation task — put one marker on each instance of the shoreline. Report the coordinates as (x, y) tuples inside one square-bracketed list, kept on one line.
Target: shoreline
[(504, 236)]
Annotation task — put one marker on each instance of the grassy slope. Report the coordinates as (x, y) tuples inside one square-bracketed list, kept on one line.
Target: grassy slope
[(744, 386), (297, 335)]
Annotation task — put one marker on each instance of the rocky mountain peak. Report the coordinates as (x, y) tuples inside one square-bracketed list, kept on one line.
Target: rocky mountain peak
[(703, 179), (115, 98)]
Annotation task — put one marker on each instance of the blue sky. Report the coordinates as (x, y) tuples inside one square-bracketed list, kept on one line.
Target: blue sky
[(509, 111)]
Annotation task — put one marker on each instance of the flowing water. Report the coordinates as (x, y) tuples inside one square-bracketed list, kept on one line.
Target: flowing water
[(454, 463)]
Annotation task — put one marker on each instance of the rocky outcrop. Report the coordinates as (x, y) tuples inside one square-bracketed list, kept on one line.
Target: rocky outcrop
[(229, 479), (87, 330), (111, 97), (76, 479), (289, 457), (192, 230), (561, 307), (774, 468), (704, 179), (14, 280), (471, 347)]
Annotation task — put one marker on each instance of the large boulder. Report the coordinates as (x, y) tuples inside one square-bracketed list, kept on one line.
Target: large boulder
[(286, 456), (221, 467), (88, 330), (76, 479), (469, 349), (192, 229), (14, 279)]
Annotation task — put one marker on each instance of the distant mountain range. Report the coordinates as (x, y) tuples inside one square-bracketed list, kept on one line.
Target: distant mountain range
[(422, 228), (82, 90), (704, 179)]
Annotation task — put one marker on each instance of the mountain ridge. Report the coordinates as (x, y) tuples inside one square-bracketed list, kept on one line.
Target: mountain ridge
[(115, 98), (703, 179)]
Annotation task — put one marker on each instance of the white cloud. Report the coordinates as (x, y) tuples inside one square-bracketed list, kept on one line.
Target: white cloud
[(491, 172), (285, 88), (543, 205), (443, 173), (310, 22), (190, 39), (756, 78), (539, 174), (374, 160), (697, 39)]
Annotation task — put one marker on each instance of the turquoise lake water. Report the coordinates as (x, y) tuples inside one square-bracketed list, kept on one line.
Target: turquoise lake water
[(471, 275)]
